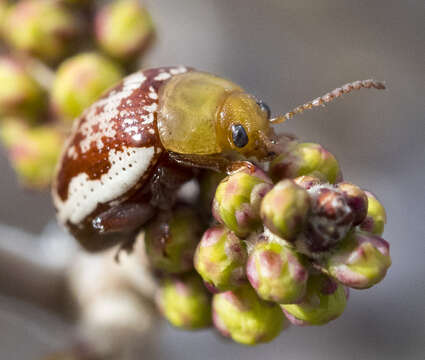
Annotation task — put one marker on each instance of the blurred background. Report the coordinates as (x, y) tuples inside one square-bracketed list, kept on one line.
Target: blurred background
[(286, 52)]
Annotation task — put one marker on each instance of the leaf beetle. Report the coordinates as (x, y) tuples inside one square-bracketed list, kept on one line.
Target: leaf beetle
[(131, 150)]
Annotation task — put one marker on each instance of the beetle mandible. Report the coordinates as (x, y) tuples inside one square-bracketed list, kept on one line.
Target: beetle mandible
[(130, 151)]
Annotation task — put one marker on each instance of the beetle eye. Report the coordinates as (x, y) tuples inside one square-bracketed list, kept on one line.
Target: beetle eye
[(239, 136), (265, 108)]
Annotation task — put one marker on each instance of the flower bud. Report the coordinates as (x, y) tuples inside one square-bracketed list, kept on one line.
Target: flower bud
[(185, 302), (284, 209), (20, 94), (220, 258), (277, 272), (356, 200), (306, 181), (361, 261), (41, 28), (80, 80), (376, 217), (123, 28), (238, 198), (329, 221), (171, 240), (324, 301), (306, 159), (33, 152), (243, 316)]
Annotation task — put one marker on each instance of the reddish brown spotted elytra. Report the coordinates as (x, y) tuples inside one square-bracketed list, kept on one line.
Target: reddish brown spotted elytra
[(130, 151)]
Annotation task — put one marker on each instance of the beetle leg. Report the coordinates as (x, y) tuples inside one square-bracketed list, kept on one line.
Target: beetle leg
[(122, 218), (166, 181), (210, 162)]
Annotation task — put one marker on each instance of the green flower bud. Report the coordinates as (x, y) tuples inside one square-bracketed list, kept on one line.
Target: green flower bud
[(238, 198), (284, 209), (123, 28), (42, 28), (306, 159), (361, 261), (243, 316), (324, 301), (376, 217), (185, 302), (80, 80), (20, 94), (220, 258), (277, 272), (171, 240), (33, 152)]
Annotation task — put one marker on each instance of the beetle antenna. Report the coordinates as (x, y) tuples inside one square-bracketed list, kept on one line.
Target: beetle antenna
[(336, 93)]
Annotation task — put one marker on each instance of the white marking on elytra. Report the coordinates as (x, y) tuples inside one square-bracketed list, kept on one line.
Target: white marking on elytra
[(130, 129), (152, 93), (124, 113), (99, 144), (84, 195), (72, 153), (178, 70), (104, 119), (129, 122), (162, 76), (149, 117), (151, 108)]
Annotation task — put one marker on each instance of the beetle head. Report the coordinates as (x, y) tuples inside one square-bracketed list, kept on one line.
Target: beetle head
[(244, 126)]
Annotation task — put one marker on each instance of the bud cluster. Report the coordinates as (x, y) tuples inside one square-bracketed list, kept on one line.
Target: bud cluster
[(296, 244), (283, 252)]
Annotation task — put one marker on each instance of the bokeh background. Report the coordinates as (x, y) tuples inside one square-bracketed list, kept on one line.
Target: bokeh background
[(287, 52)]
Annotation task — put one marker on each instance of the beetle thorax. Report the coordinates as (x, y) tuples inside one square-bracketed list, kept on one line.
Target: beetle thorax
[(189, 112)]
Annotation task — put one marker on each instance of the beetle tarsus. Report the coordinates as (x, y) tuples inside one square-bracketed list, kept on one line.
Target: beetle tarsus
[(127, 247)]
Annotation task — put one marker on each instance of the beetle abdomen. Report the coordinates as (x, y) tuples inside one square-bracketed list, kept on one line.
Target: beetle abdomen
[(112, 148)]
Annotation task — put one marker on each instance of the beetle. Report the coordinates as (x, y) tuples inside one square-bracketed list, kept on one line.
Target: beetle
[(131, 150)]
